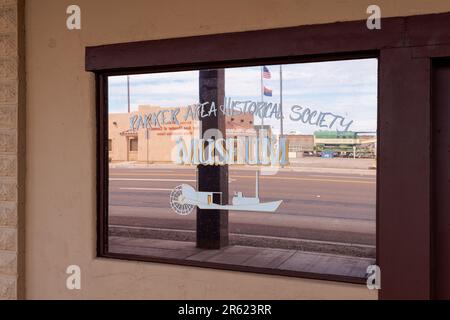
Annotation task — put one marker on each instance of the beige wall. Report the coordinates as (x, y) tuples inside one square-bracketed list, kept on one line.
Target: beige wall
[(61, 207)]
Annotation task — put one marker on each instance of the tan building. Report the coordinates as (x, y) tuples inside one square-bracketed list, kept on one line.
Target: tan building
[(155, 143), (300, 143)]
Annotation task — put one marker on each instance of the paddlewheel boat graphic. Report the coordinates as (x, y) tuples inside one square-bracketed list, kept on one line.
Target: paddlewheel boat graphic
[(184, 198)]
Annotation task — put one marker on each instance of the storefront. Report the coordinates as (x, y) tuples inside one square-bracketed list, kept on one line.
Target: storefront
[(176, 155)]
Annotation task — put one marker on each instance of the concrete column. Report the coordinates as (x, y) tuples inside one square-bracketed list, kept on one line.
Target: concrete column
[(12, 149)]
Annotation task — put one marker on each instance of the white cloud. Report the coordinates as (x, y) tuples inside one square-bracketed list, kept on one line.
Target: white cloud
[(342, 87)]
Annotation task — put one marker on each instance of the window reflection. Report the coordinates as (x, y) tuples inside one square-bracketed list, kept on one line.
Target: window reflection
[(297, 147)]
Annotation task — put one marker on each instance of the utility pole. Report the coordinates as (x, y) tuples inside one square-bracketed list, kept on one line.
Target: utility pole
[(128, 94), (281, 101), (262, 92)]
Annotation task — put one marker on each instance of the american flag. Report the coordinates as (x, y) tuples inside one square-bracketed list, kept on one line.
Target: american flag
[(266, 73), (267, 92)]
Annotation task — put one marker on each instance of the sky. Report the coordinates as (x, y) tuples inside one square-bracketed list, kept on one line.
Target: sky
[(347, 88)]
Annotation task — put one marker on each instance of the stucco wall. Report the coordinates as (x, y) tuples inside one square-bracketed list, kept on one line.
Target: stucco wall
[(60, 183)]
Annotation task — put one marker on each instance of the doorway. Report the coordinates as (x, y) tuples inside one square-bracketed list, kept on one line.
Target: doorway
[(133, 149)]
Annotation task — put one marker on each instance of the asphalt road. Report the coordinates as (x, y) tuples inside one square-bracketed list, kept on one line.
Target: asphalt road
[(316, 205)]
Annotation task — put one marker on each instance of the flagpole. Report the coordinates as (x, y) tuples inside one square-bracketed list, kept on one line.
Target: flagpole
[(281, 101), (262, 92), (259, 131), (128, 93)]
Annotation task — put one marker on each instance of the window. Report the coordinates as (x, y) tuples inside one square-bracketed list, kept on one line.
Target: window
[(402, 200), (298, 145)]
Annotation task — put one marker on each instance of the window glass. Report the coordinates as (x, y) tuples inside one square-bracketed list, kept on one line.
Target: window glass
[(281, 159)]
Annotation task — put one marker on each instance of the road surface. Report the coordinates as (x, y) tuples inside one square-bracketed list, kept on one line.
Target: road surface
[(316, 205)]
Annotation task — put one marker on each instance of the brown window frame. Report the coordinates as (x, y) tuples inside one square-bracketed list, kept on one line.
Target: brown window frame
[(405, 48)]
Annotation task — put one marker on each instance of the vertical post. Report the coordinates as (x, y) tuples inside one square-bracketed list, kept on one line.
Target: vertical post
[(262, 91), (212, 225), (147, 137), (257, 184), (128, 94), (281, 108), (281, 102), (403, 199)]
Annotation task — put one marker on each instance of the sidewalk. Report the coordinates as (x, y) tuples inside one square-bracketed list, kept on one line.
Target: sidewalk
[(319, 234), (281, 261), (307, 164)]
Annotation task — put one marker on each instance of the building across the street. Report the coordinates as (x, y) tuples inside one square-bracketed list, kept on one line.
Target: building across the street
[(347, 143), (147, 143), (150, 143), (299, 144)]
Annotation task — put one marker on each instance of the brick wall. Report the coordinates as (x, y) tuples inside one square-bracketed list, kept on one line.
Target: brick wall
[(11, 149)]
